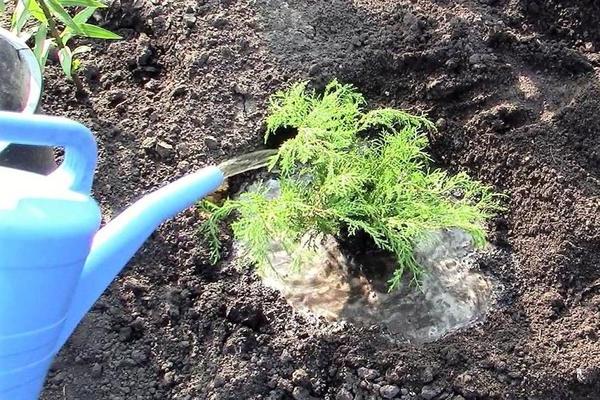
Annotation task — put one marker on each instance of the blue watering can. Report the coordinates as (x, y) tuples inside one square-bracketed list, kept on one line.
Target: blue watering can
[(54, 260)]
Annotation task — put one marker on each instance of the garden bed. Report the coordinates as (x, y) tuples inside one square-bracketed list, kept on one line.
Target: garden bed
[(513, 89)]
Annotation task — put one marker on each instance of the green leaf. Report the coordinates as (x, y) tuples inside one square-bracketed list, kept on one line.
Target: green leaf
[(59, 12), (76, 65), (46, 51), (26, 35), (42, 45), (36, 11), (66, 60), (20, 16), (2, 5), (67, 35), (80, 18), (81, 50), (96, 32), (83, 15), (82, 3)]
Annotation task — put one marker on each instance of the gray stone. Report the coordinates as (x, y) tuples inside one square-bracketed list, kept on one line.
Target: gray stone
[(343, 394), (183, 166), (125, 333), (201, 59), (116, 96), (164, 149), (430, 391), (126, 362), (149, 143), (587, 375), (190, 20), (96, 370), (389, 391), (427, 375), (240, 89), (300, 393), (145, 53), (139, 356), (367, 373), (58, 378), (152, 85), (183, 149), (219, 381), (137, 324), (300, 377), (475, 59), (211, 142), (179, 91), (168, 380), (226, 52), (219, 21)]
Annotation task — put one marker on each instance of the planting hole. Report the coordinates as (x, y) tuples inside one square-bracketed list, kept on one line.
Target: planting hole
[(336, 284), (355, 213)]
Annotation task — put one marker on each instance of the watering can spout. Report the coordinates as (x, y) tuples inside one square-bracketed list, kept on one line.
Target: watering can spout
[(120, 239)]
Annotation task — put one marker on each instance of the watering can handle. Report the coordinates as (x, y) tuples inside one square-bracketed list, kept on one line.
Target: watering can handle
[(77, 170)]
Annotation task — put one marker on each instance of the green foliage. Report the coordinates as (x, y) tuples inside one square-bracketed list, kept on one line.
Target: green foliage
[(42, 20), (351, 171)]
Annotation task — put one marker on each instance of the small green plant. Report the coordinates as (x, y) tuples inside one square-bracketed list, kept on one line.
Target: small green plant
[(351, 171), (48, 24)]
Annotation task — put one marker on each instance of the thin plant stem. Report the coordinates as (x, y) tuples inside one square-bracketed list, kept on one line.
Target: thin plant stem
[(59, 43)]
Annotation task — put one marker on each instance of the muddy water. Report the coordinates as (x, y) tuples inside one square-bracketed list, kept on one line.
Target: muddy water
[(453, 294)]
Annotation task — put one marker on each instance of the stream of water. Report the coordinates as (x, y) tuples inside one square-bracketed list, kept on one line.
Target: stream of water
[(246, 162)]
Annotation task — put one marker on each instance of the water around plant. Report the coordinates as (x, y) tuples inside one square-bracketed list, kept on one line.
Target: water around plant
[(336, 285), (453, 294)]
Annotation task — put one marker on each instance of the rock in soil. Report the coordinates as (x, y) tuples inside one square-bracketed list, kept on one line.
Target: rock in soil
[(367, 373), (164, 149), (429, 392), (389, 391)]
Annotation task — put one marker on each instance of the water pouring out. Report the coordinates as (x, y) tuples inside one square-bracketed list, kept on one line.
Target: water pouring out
[(246, 162)]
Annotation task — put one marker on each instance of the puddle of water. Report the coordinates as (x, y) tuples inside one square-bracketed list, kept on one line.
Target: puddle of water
[(453, 294)]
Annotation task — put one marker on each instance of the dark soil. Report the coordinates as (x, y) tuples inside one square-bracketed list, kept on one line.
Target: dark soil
[(513, 86)]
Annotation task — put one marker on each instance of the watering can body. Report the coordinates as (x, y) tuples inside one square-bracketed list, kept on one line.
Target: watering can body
[(44, 244), (54, 262)]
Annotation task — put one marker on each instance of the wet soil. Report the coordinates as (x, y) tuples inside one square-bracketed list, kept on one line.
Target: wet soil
[(513, 88), (340, 284)]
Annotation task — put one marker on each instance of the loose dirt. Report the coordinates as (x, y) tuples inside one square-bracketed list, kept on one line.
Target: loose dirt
[(513, 88)]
